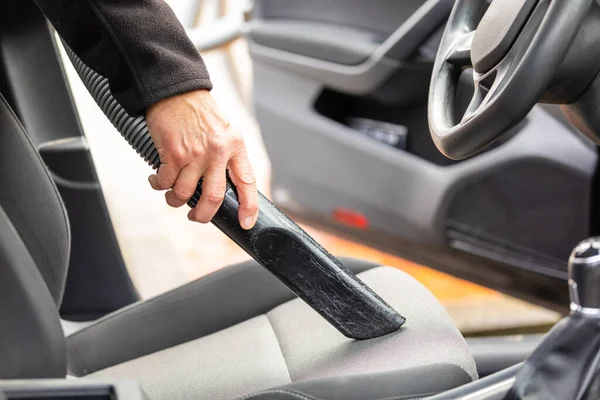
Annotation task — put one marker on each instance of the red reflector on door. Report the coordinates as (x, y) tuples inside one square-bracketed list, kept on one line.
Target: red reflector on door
[(350, 218)]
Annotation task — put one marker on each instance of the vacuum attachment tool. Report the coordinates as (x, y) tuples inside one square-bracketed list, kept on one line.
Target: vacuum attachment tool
[(276, 242)]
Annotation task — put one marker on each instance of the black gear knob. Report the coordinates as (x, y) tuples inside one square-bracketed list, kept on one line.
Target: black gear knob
[(566, 364), (584, 276)]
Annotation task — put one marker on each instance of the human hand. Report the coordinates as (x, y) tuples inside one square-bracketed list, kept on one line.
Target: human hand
[(194, 140)]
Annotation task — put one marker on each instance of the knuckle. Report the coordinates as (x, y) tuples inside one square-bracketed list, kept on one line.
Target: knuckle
[(198, 152), (217, 145), (215, 197), (247, 179), (252, 208), (183, 193), (178, 154), (162, 182), (237, 140)]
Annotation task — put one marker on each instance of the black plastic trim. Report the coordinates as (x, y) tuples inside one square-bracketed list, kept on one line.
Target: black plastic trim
[(98, 282), (64, 389)]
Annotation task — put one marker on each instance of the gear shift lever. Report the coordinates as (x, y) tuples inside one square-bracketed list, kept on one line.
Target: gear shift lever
[(565, 365), (584, 277)]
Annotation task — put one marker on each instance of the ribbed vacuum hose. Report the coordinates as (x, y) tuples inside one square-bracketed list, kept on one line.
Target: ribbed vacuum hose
[(276, 242), (134, 130)]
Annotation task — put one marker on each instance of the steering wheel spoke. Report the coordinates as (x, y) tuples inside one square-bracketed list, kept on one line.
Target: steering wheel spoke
[(486, 88), (479, 95), (460, 55)]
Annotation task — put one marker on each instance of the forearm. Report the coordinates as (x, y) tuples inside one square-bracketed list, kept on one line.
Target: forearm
[(139, 45)]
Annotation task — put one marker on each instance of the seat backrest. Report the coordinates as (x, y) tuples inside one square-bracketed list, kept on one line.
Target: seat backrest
[(34, 252)]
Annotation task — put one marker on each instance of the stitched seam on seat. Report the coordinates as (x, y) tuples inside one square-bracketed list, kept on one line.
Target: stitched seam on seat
[(279, 345), (409, 397), (152, 300), (305, 397), (284, 391), (124, 310)]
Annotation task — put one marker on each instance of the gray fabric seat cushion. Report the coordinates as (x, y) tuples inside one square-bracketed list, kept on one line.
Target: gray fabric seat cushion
[(202, 307), (292, 343)]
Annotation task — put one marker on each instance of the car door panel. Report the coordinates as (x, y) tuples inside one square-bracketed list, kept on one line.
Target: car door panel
[(281, 42), (506, 218), (334, 43), (379, 16)]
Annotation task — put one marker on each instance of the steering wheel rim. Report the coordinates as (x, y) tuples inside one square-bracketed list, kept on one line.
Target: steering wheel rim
[(505, 93)]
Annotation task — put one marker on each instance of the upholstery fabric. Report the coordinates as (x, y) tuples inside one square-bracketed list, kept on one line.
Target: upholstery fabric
[(244, 357), (293, 343), (428, 337), (34, 251), (31, 201), (222, 299)]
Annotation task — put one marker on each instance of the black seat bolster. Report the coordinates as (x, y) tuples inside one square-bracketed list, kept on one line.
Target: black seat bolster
[(32, 202), (32, 344), (34, 252), (409, 384), (207, 305)]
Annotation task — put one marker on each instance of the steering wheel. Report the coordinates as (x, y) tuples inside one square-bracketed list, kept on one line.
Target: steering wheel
[(515, 48)]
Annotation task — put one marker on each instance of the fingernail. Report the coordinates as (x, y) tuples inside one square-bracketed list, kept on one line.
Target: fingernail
[(189, 216), (247, 223)]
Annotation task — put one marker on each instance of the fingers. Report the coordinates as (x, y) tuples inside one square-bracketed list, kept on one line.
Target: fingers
[(165, 178), (185, 185), (243, 178), (213, 192), (194, 140)]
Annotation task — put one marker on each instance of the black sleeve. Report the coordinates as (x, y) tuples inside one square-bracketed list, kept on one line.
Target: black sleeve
[(139, 45)]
